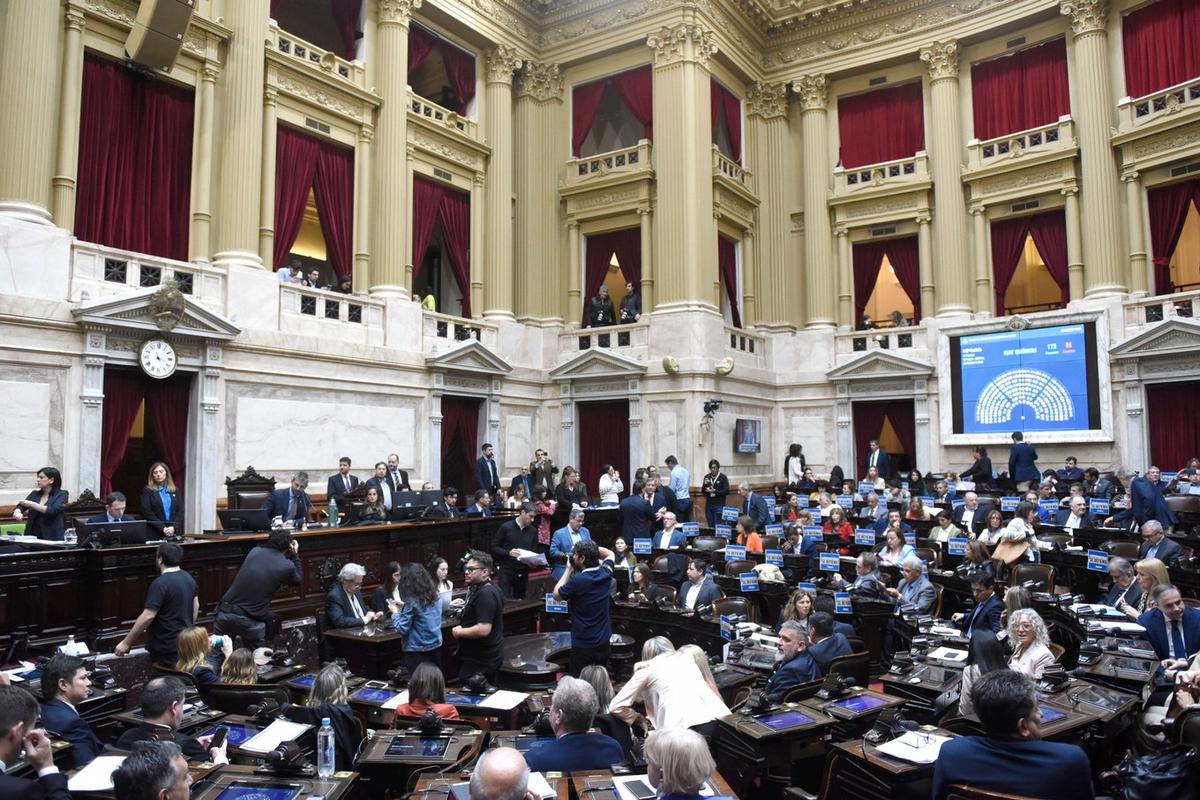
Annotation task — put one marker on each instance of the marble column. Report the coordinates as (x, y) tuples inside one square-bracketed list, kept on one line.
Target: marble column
[(392, 214), (1140, 280), (749, 281), (270, 146), (766, 111), (925, 264), (363, 181), (239, 189), (538, 230), (574, 310), (200, 239), (984, 301), (1104, 270), (500, 63), (28, 89), (647, 242), (684, 228), (1074, 243), (475, 270), (66, 168), (945, 165), (845, 282), (818, 233)]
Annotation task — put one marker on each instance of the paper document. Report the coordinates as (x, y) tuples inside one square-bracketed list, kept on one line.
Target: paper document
[(281, 730), (1096, 608), (530, 558), (96, 776), (949, 654), (541, 787), (503, 700), (945, 630), (1115, 624), (919, 748), (396, 701)]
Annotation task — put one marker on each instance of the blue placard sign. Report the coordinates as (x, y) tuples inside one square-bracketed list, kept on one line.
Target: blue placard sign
[(724, 531), (749, 581), (735, 552), (865, 487), (811, 588), (865, 536), (1169, 476), (774, 557), (773, 530), (927, 501), (842, 604), (729, 514), (1009, 503), (690, 528), (554, 606), (642, 547), (1048, 504), (830, 562), (846, 501), (1097, 561), (812, 530), (958, 546), (910, 538), (726, 628), (1097, 506), (904, 485), (957, 503)]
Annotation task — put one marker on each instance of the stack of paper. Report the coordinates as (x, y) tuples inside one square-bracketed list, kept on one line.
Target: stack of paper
[(281, 730), (96, 776), (919, 748)]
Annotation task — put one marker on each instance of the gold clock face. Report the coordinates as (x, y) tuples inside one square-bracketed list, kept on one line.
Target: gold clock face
[(157, 358)]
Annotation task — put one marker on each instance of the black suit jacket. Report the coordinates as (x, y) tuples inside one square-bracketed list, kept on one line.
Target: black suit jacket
[(51, 787), (147, 732), (487, 475), (335, 487), (636, 518), (402, 486), (1132, 595), (980, 471), (882, 463), (100, 519), (277, 503), (338, 610), (1169, 552), (1064, 514), (156, 517), (988, 616)]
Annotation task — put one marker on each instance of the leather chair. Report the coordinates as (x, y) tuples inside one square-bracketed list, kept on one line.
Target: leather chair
[(929, 556), (236, 699), (854, 665), (82, 508), (668, 592), (737, 567), (770, 542), (248, 490), (707, 544), (662, 564), (728, 606), (937, 606), (857, 645), (1056, 540), (803, 691), (1058, 650), (1186, 727), (1122, 549), (1040, 573), (158, 670)]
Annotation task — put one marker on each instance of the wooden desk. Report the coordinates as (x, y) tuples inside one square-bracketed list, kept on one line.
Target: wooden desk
[(336, 787), (598, 785), (435, 787), (193, 720), (855, 770)]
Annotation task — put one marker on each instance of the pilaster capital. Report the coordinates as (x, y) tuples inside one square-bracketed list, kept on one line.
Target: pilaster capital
[(687, 42), (573, 225), (270, 95), (501, 62), (813, 91), (1132, 176), (397, 12), (643, 211), (477, 180), (767, 100), (923, 219), (543, 82), (1086, 15), (1072, 190), (210, 72), (410, 151), (841, 231), (977, 209), (366, 134), (941, 59), (75, 20)]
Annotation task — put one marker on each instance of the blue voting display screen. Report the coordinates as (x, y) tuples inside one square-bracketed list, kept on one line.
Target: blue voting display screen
[(1038, 379)]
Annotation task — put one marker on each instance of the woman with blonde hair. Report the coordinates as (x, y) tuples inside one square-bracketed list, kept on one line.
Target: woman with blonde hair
[(239, 669), (676, 692), (330, 698), (198, 658), (1150, 573), (160, 502), (656, 646), (1031, 641), (678, 763)]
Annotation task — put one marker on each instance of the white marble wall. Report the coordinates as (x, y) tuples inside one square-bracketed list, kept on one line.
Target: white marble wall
[(24, 427)]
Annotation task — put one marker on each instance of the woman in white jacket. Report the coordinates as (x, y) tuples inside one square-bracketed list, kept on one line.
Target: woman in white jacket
[(610, 486), (1029, 636)]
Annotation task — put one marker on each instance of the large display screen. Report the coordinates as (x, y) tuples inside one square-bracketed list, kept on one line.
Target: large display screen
[(1035, 380)]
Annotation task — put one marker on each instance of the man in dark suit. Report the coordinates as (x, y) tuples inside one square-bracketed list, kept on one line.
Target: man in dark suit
[(988, 607), (878, 458), (699, 589), (447, 508), (522, 479), (481, 505), (511, 537), (1124, 589), (486, 474), (574, 749), (1076, 515), (1071, 473), (1144, 499), (397, 477), (162, 714), (1022, 463), (1155, 544), (754, 506), (383, 483), (344, 605), (342, 483), (892, 520), (114, 510), (65, 684), (824, 644), (797, 666), (972, 514), (1172, 627), (636, 515), (291, 503), (1010, 757), (18, 716), (1095, 486)]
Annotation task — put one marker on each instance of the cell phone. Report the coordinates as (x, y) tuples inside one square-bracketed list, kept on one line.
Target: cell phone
[(218, 738)]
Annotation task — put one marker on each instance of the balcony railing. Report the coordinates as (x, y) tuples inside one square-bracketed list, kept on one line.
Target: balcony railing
[(885, 173), (296, 49), (726, 166), (310, 311), (440, 332), (1149, 310), (628, 340), (744, 345), (627, 160), (899, 340), (1134, 112), (444, 117), (98, 271), (1055, 136)]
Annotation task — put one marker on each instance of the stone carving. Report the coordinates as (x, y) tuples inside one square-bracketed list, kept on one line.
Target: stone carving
[(501, 62), (605, 199), (1051, 173), (542, 82), (887, 205), (1163, 142), (813, 91), (397, 11), (1017, 323), (114, 10), (318, 95), (75, 20), (767, 100), (603, 19), (688, 42), (167, 306), (1086, 15), (941, 59), (443, 150)]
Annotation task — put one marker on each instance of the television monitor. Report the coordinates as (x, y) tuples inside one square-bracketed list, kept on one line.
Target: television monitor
[(860, 704), (784, 720), (370, 694), (1035, 380), (247, 790), (244, 520), (108, 534), (422, 747)]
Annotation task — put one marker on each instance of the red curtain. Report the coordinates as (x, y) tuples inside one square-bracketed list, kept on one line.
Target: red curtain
[(726, 105), (585, 102), (882, 125), (167, 403), (460, 67), (295, 166), (637, 90), (867, 260), (1174, 424), (135, 161), (454, 213), (304, 163), (1020, 90), (1161, 46), (627, 244), (426, 202), (637, 93), (604, 439), (905, 257), (1049, 232), (460, 436), (123, 394), (420, 44), (727, 267), (869, 420), (345, 16), (1168, 208), (334, 189), (1008, 239)]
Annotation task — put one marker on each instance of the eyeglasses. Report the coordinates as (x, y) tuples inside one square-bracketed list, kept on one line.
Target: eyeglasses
[(472, 569), (1023, 626)]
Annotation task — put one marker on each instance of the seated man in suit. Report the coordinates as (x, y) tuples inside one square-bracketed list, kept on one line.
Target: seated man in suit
[(65, 684), (1172, 626), (447, 508), (1095, 486), (291, 503), (636, 513), (1144, 499), (754, 506), (114, 510), (797, 666), (1071, 472), (342, 483), (162, 714), (868, 583), (873, 510), (970, 515), (18, 718), (564, 540), (824, 602), (1010, 757), (1124, 589), (482, 505), (574, 749), (825, 644), (988, 607), (699, 589), (523, 479), (1076, 515), (915, 588), (892, 520), (1155, 544), (673, 540), (344, 606)]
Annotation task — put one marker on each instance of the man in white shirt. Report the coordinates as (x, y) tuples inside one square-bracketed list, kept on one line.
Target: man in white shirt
[(670, 537), (699, 590), (1076, 516), (679, 487), (396, 476)]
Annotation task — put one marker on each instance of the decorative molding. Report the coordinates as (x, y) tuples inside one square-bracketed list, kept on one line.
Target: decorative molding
[(606, 198), (767, 100), (211, 72), (113, 10), (317, 95), (75, 20), (1050, 173), (444, 150), (397, 12), (501, 62), (813, 91), (678, 43), (902, 202), (543, 82), (1178, 139), (941, 59), (1087, 16)]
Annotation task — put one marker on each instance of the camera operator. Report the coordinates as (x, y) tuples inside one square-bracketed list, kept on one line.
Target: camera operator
[(245, 610), (480, 632)]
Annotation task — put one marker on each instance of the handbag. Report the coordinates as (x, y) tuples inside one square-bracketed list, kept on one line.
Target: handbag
[(1169, 774)]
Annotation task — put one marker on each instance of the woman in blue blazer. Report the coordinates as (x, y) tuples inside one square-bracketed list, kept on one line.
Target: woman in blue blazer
[(161, 505), (43, 508)]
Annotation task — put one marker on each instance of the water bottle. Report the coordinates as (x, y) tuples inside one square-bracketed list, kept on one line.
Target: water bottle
[(333, 513), (325, 749)]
